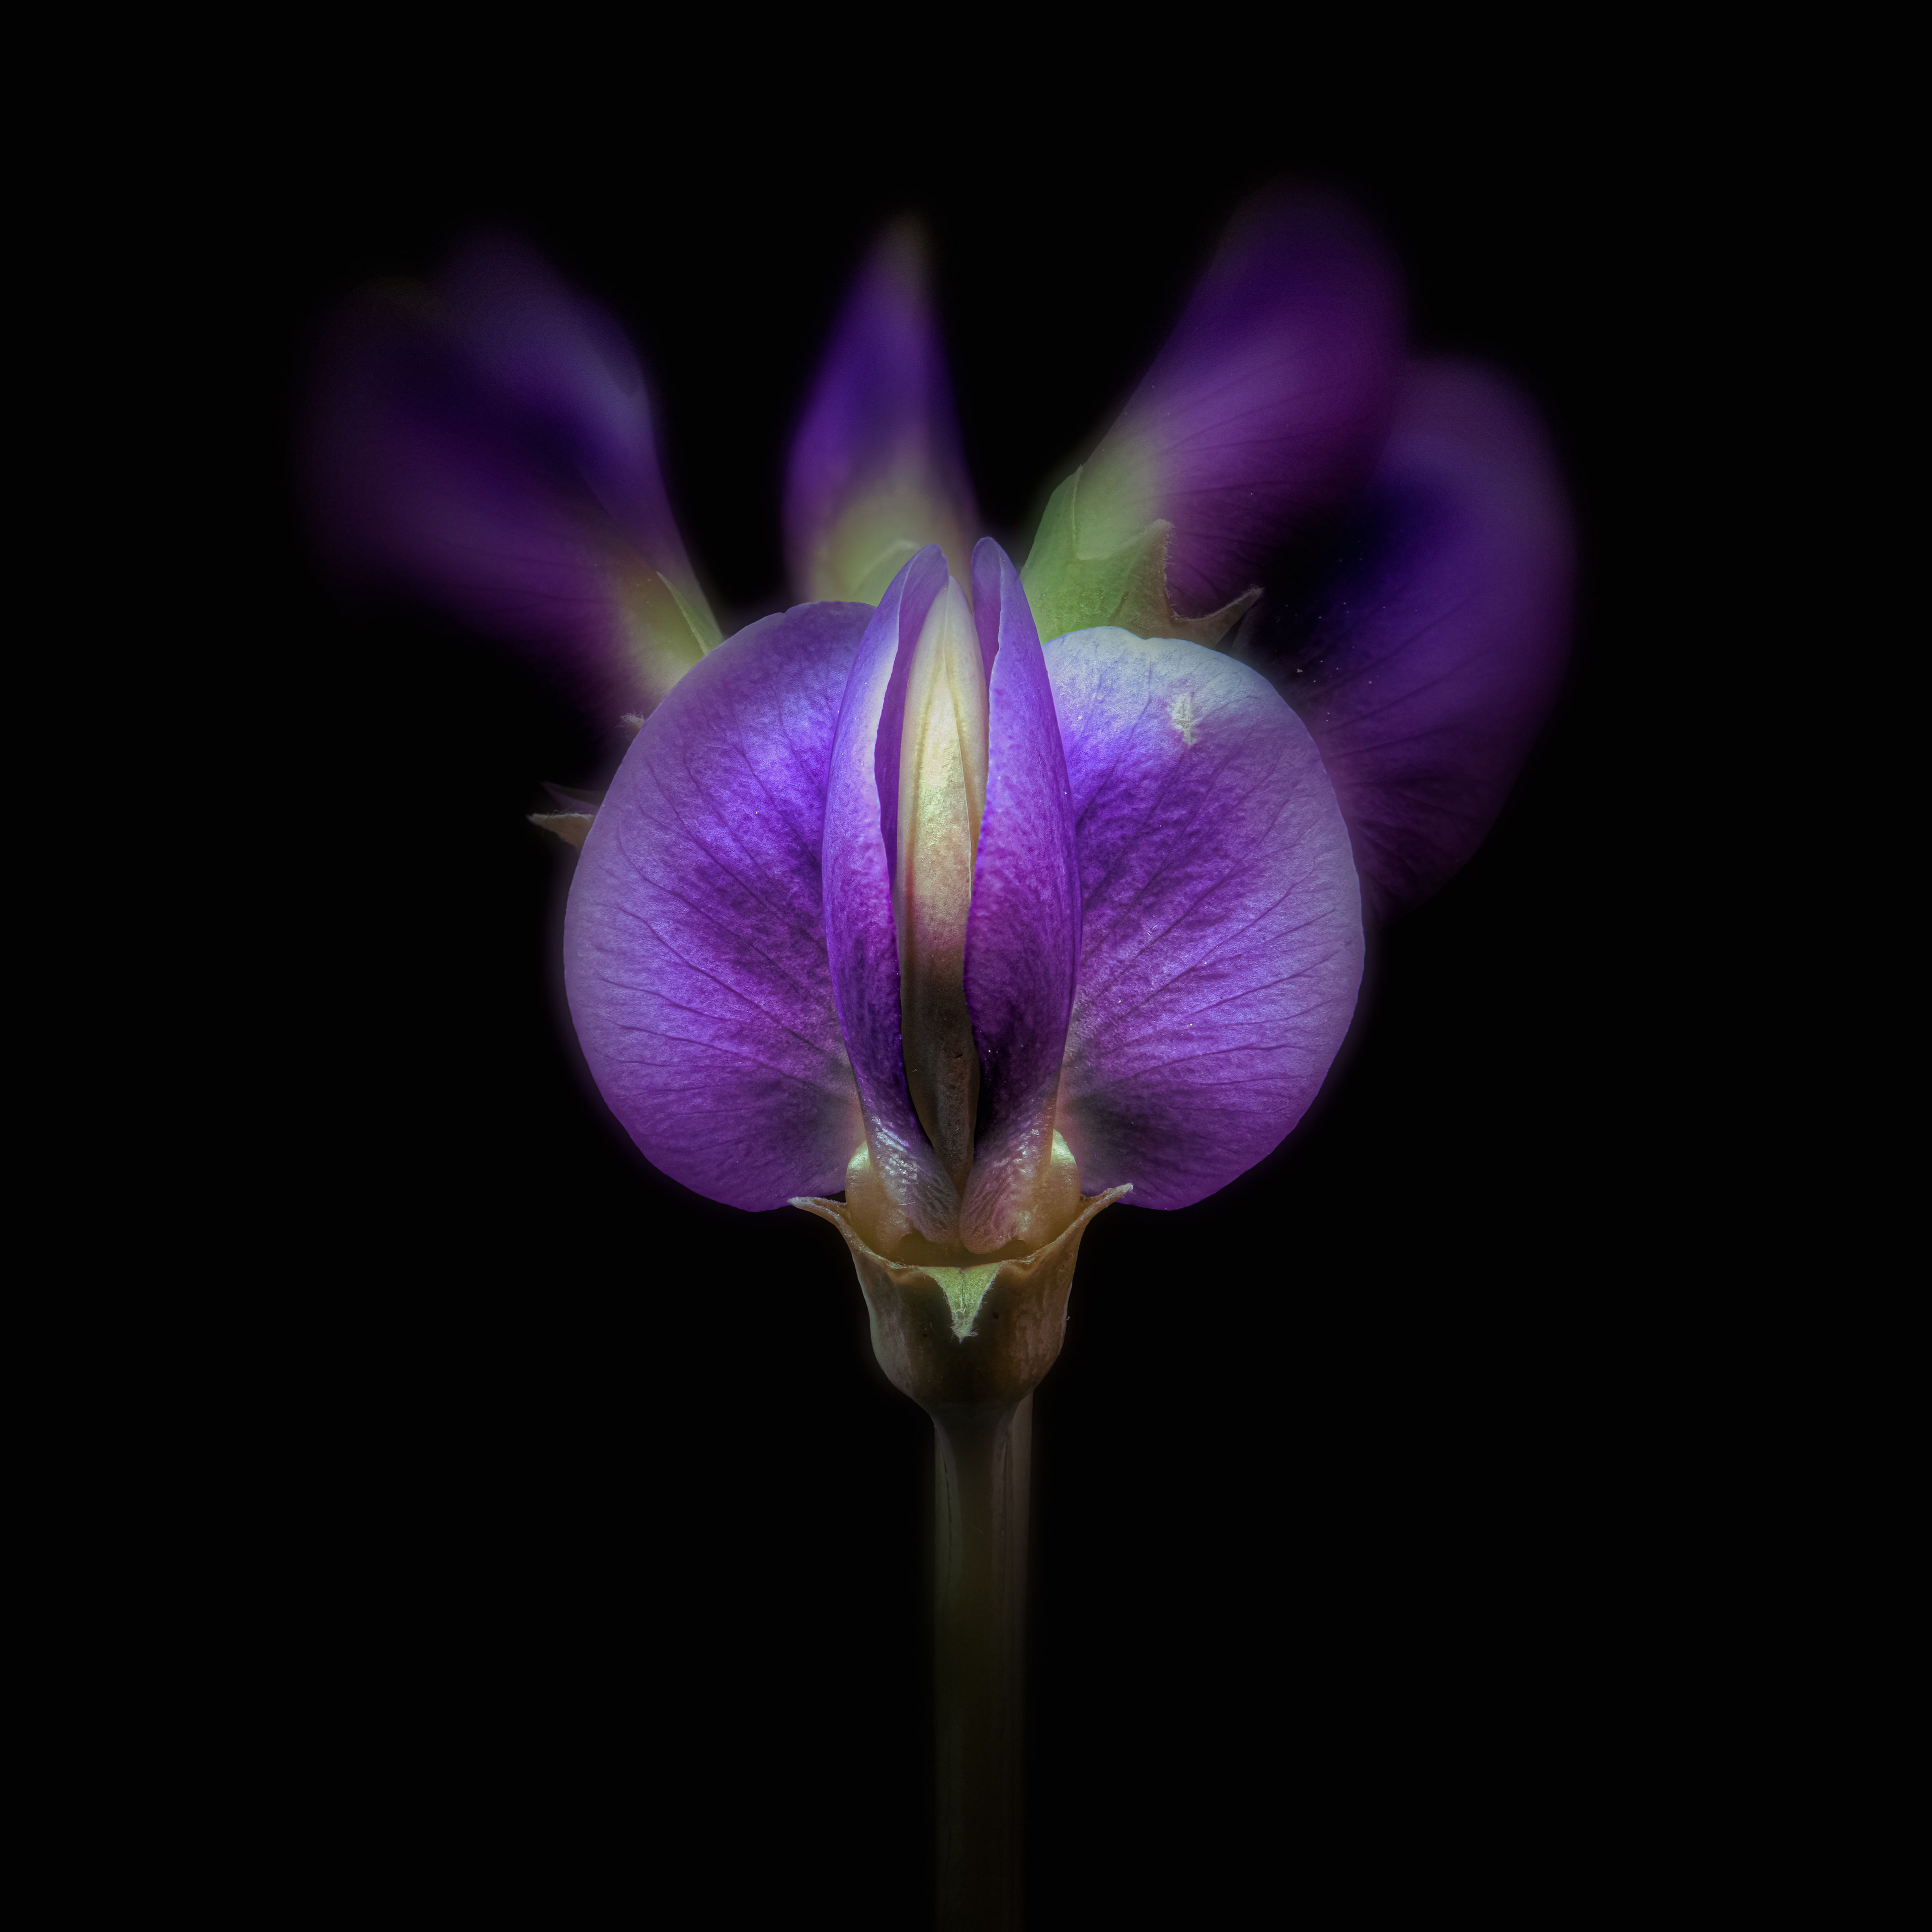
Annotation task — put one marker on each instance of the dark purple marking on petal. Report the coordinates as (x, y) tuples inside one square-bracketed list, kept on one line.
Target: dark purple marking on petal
[(694, 943), (1426, 661), (1268, 403), (488, 447), (1023, 931), (1221, 934), (861, 846)]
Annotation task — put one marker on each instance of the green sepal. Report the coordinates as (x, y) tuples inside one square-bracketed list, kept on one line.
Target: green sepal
[(667, 630), (704, 626), (1126, 587)]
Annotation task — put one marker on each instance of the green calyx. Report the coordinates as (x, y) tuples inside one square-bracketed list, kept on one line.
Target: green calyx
[(1071, 587), (668, 629)]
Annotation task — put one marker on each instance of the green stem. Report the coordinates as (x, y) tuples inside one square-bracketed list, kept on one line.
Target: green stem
[(970, 1351), (982, 1463)]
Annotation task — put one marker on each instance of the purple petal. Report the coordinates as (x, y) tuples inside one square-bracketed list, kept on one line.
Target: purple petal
[(875, 471), (560, 362), (1427, 662), (1268, 403), (488, 447), (695, 944), (1221, 945), (861, 846), (1023, 932)]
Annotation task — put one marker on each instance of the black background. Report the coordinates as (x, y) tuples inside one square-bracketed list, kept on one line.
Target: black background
[(581, 1543)]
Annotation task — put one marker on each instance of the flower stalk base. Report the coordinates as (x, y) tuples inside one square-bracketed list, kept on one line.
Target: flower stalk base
[(970, 1343)]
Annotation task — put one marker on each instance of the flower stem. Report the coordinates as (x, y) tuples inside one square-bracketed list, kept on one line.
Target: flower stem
[(982, 1466), (971, 1352)]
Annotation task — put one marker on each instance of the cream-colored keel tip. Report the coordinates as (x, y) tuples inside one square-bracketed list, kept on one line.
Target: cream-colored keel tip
[(972, 1332), (942, 799)]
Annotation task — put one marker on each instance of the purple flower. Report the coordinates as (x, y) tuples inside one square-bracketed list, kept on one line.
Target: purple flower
[(885, 900), (487, 445), (1426, 655), (889, 897), (983, 897), (1282, 426)]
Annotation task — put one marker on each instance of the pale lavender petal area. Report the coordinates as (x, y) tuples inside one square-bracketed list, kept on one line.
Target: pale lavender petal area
[(695, 941), (1427, 660), (1221, 942), (875, 470), (1023, 932), (861, 846), (1268, 403), (487, 445)]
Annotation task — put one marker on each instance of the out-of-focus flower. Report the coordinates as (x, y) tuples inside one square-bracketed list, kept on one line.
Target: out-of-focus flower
[(486, 444), (1267, 407), (1387, 538), (1425, 651), (1391, 535), (876, 472), (895, 901)]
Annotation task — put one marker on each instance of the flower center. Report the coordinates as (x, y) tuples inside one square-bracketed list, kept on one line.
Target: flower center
[(942, 799)]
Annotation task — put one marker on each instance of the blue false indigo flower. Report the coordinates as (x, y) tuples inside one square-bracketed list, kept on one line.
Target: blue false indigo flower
[(893, 901), (985, 896)]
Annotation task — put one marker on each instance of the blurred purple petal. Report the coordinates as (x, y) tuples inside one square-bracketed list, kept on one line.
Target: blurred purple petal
[(861, 850), (564, 362), (488, 447), (1427, 662), (1268, 403), (694, 943), (1221, 943), (1023, 933), (875, 472)]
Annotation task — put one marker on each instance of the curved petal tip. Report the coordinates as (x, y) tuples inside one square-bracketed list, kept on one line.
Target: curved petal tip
[(487, 445), (875, 472), (1430, 650)]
